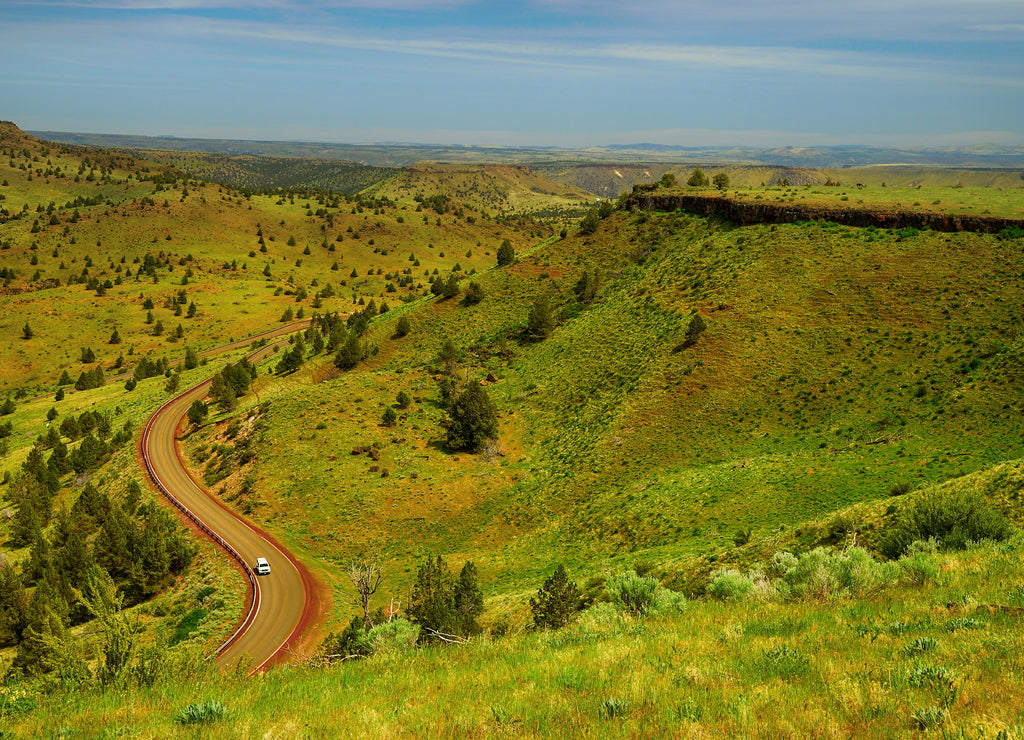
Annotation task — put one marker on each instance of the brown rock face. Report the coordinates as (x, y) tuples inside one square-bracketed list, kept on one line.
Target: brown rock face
[(778, 213)]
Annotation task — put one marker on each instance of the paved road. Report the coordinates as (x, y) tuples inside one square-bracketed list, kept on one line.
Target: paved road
[(281, 603)]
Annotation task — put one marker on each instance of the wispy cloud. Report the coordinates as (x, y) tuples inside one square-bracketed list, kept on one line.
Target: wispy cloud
[(818, 62), (292, 5)]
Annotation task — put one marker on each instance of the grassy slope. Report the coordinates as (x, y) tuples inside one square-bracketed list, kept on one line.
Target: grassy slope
[(215, 226), (837, 363), (868, 667)]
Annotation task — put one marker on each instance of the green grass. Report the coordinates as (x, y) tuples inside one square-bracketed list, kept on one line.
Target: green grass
[(201, 232), (754, 669), (981, 201)]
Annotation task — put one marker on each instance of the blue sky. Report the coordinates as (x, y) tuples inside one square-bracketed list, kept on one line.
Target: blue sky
[(569, 73)]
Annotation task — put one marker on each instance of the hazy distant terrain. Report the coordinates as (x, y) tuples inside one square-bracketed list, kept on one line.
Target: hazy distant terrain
[(401, 154)]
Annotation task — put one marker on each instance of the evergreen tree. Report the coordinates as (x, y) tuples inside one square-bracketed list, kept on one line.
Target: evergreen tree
[(350, 353), (698, 179), (26, 332), (191, 358), (403, 327), (44, 636), (65, 379), (587, 286), (115, 338), (474, 294), (557, 601), (473, 419), (694, 330), (432, 603), (197, 412), (389, 417), (541, 320), (8, 407), (506, 253), (13, 605), (469, 600), (590, 222), (448, 357)]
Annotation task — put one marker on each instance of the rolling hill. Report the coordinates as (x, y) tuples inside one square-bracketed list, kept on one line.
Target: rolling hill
[(676, 395)]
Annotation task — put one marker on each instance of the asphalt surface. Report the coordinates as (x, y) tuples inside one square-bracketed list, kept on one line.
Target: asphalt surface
[(279, 605)]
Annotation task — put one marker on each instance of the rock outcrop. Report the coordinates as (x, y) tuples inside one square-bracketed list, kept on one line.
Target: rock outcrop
[(743, 212)]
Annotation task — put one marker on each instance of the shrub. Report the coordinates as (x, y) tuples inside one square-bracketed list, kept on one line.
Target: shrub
[(954, 520), (396, 636), (919, 568), (920, 645), (194, 714), (785, 662), (825, 573), (612, 708), (633, 593), (926, 718), (728, 584)]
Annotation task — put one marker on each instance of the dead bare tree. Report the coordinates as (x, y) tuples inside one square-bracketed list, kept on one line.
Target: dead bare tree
[(365, 577)]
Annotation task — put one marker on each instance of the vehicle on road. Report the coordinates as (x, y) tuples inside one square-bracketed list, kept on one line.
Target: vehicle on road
[(262, 566)]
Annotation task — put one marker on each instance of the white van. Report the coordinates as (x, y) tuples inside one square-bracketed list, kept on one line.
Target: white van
[(262, 566)]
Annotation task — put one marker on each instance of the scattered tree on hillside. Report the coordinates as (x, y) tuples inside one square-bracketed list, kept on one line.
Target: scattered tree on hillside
[(403, 327), (668, 180), (506, 253), (448, 357), (541, 320), (445, 608), (389, 418), (350, 353), (8, 407), (587, 286), (474, 294), (26, 331), (694, 330), (197, 412), (721, 180), (590, 222), (472, 419), (557, 601), (698, 179)]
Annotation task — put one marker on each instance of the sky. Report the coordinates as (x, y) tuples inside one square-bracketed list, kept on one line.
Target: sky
[(563, 73)]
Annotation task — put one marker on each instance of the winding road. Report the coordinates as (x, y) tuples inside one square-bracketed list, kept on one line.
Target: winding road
[(280, 606)]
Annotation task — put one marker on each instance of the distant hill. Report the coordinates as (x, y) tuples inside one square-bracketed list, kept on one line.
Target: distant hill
[(398, 155)]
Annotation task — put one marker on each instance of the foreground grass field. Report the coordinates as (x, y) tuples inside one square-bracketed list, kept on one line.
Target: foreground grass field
[(943, 657)]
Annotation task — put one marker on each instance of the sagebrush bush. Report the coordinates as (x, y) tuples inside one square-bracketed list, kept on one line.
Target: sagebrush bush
[(642, 595), (728, 584), (395, 636), (632, 593), (825, 573), (953, 520)]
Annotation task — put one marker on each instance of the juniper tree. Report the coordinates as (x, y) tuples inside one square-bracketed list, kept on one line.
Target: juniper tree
[(557, 601), (472, 419), (506, 253), (540, 322)]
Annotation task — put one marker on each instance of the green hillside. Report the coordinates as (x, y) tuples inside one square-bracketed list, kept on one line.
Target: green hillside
[(836, 364), (678, 399)]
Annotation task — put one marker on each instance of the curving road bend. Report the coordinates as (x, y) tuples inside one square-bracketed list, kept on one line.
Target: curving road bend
[(281, 605)]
